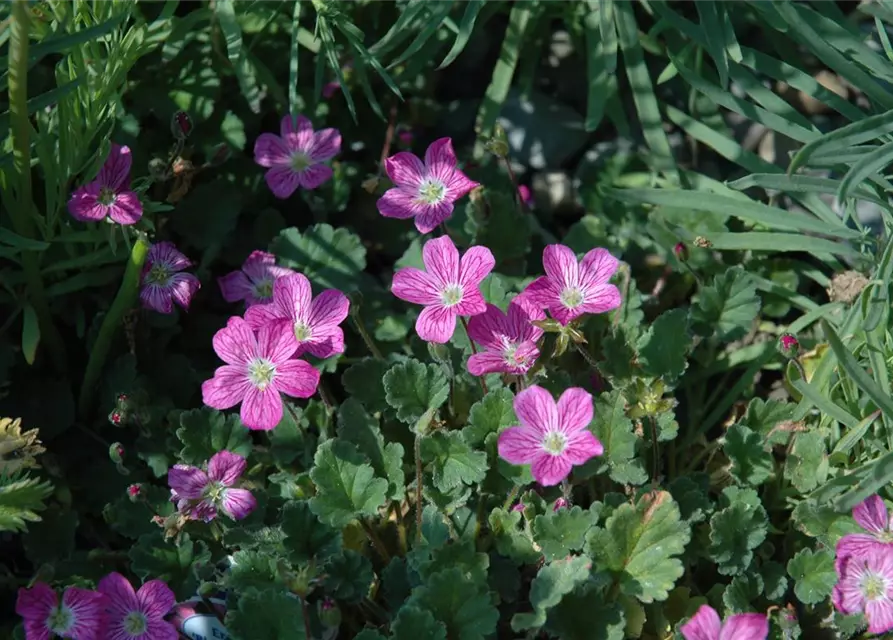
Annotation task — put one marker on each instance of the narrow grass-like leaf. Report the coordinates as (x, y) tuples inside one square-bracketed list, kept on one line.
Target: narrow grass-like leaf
[(44, 100), (61, 44), (413, 12), (180, 32), (856, 432), (225, 12), (811, 184), (779, 242), (870, 164), (597, 72), (712, 15), (857, 133), (608, 33), (293, 60), (855, 371), (825, 405), (30, 333), (472, 9), (327, 39), (879, 474), (439, 11)]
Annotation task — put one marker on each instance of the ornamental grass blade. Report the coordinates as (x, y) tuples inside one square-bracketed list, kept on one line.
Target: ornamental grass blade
[(472, 9)]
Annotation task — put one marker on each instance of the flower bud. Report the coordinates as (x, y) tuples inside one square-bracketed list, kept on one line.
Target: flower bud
[(116, 418), (181, 125), (498, 145), (526, 195), (135, 492), (561, 503), (788, 345), (116, 452), (518, 507), (329, 613), (681, 252), (406, 137), (207, 589)]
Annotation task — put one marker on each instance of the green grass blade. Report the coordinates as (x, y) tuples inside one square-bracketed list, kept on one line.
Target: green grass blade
[(466, 27), (608, 33), (225, 12), (855, 433), (327, 39), (44, 100), (439, 12), (293, 60), (406, 24), (182, 28), (779, 242), (598, 74), (712, 16), (825, 405), (854, 134), (869, 165), (804, 183), (61, 44)]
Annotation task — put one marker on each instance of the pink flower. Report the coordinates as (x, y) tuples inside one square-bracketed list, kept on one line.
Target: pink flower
[(253, 283), (201, 495), (426, 191), (560, 503), (162, 280), (706, 625), (139, 614), (865, 585), (405, 137), (508, 339), (872, 516), (80, 614), (570, 289), (449, 287), (295, 156), (525, 194), (109, 194), (312, 323), (258, 368), (552, 437)]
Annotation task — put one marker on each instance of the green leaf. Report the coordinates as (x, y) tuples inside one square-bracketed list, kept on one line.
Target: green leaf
[(452, 461), (552, 583), (345, 484), (413, 623), (306, 537), (193, 222), (30, 333), (489, 415), (413, 388), (358, 427), (615, 431), (585, 615), (472, 9), (751, 463), (737, 530), (53, 538), (253, 569), (727, 308), (226, 17), (511, 541), (271, 614), (206, 431), (814, 575), (775, 580), (461, 604), (662, 349), (560, 532), (365, 381), (348, 576), (694, 503), (855, 371), (743, 590), (640, 542), (287, 439), (21, 497), (807, 465), (504, 232), (154, 557), (329, 257)]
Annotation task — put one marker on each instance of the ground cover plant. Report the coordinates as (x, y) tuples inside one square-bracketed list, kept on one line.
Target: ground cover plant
[(446, 320)]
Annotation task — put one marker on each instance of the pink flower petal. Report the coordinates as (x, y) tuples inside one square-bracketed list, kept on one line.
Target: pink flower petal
[(400, 204), (34, 604), (536, 409), (156, 599), (329, 309), (262, 410), (601, 299), (574, 410), (292, 294), (416, 286), (458, 185), (297, 378), (297, 133), (226, 467), (156, 298), (871, 514), (858, 545), (541, 293), (488, 328), (188, 482), (326, 145), (88, 609), (560, 265), (238, 503), (405, 170), (270, 150), (521, 313), (314, 176), (282, 180), (166, 253), (441, 258), (183, 286), (430, 216), (121, 598), (879, 614), (549, 470), (276, 342), (440, 159), (84, 204), (436, 324), (116, 169), (235, 343), (565, 315), (472, 303), (126, 209), (260, 265), (582, 446), (519, 445), (485, 362), (325, 343), (746, 626), (159, 630), (704, 625), (227, 388), (261, 315), (597, 267), (235, 286), (476, 264)]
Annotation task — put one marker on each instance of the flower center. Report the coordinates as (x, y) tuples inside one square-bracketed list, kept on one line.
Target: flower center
[(432, 191), (300, 161), (60, 620), (214, 492), (555, 443), (158, 274), (510, 355), (135, 623), (885, 536), (263, 290), (106, 197), (451, 295), (261, 373), (874, 586), (572, 297), (302, 331)]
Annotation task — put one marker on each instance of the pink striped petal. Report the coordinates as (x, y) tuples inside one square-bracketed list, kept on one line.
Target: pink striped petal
[(126, 209), (183, 286), (405, 170), (600, 299), (297, 378), (270, 150), (476, 264), (227, 388), (416, 286), (235, 343), (297, 133), (574, 410), (226, 467), (282, 180), (262, 410), (536, 409), (541, 293), (326, 145), (597, 267), (485, 362), (400, 204), (238, 503), (441, 259), (472, 304), (156, 298), (121, 599), (156, 599), (276, 342), (521, 313), (325, 343), (749, 626), (328, 309), (166, 253), (235, 286), (565, 315), (116, 168), (582, 446), (519, 445), (458, 185), (188, 482), (440, 159), (314, 176), (879, 614), (260, 265), (549, 470), (292, 295), (88, 609), (704, 625), (871, 514), (430, 216), (260, 315), (35, 604), (560, 265), (159, 630), (436, 324), (488, 328), (84, 204)]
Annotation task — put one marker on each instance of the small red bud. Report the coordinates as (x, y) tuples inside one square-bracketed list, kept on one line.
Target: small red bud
[(789, 345), (681, 252), (135, 491), (181, 125), (518, 507), (116, 418), (406, 137), (123, 397), (116, 452), (525, 194), (561, 503)]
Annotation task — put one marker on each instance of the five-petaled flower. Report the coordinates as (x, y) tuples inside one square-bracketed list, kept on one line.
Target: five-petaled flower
[(449, 288), (201, 495), (706, 625), (314, 322), (871, 515), (865, 585), (80, 615), (294, 157), (109, 195), (508, 339), (426, 191), (137, 615), (163, 282), (570, 289), (253, 283), (258, 368), (552, 437)]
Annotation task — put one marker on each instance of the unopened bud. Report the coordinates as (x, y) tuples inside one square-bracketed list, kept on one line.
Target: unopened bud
[(406, 137), (329, 613), (498, 145), (329, 89), (123, 398), (526, 195), (561, 503), (789, 345), (116, 418), (181, 125), (135, 492), (518, 507), (681, 252), (116, 452)]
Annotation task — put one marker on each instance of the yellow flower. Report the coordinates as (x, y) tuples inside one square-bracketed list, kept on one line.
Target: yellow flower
[(17, 450)]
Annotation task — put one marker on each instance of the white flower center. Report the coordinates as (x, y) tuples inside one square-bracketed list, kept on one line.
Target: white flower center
[(555, 443), (302, 331), (60, 620), (158, 274), (451, 295), (300, 161), (873, 586), (106, 197), (263, 290), (135, 623), (572, 297), (261, 373), (432, 191), (214, 492)]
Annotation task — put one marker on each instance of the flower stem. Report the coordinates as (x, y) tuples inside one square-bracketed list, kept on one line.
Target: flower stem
[(418, 488), (511, 497), (22, 205), (586, 355), (522, 206), (114, 318), (376, 541), (305, 614), (474, 351), (370, 343)]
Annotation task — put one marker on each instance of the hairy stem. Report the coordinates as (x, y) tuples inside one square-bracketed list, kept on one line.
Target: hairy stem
[(474, 351), (370, 343), (22, 205), (511, 497), (418, 488), (376, 541), (586, 356), (114, 318), (305, 613)]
